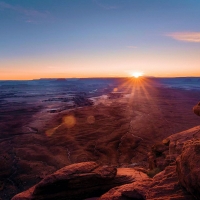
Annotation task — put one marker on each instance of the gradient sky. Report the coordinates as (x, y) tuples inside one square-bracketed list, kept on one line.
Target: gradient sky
[(99, 38)]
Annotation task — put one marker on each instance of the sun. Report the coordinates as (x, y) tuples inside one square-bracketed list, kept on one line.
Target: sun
[(137, 74)]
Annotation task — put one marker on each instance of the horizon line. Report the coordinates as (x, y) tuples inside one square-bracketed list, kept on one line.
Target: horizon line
[(98, 78)]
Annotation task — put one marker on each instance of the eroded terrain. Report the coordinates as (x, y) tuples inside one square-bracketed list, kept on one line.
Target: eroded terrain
[(43, 132)]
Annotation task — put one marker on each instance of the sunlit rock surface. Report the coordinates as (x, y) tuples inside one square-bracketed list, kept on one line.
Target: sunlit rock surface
[(79, 181), (165, 186), (136, 190), (176, 153), (188, 167)]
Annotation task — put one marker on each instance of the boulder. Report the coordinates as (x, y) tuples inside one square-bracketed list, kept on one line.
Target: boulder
[(183, 149), (196, 109), (136, 190), (80, 181), (188, 167), (165, 153), (176, 141), (165, 186)]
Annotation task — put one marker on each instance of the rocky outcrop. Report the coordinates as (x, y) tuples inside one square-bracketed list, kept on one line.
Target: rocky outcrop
[(164, 153), (157, 156), (179, 157), (165, 186), (196, 109), (136, 190), (79, 181), (176, 141), (188, 167)]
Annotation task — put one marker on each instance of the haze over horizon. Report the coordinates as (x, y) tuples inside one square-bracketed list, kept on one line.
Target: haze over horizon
[(99, 38)]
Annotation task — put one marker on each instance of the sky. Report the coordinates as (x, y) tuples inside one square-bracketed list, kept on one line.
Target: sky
[(99, 38)]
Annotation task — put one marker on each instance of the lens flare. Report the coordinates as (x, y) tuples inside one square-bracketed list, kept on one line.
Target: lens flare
[(90, 119), (69, 121), (51, 131)]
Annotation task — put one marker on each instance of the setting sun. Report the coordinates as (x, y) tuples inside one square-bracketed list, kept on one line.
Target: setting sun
[(137, 74)]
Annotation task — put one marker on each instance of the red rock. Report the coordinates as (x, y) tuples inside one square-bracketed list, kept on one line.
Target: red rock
[(136, 190), (188, 167), (157, 156), (196, 109), (165, 186), (177, 140), (162, 155), (79, 181), (159, 148)]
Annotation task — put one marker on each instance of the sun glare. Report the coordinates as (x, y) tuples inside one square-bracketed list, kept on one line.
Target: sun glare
[(137, 74)]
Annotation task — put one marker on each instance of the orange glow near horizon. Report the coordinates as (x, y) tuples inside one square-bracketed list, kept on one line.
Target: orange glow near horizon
[(86, 66), (32, 77)]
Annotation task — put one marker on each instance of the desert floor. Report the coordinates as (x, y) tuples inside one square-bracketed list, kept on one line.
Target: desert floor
[(117, 132)]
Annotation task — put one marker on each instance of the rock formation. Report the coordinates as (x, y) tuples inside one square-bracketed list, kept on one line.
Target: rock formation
[(136, 190), (80, 181), (165, 186), (188, 167), (196, 109)]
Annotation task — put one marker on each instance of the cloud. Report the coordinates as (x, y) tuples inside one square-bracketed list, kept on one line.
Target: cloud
[(185, 36), (31, 15)]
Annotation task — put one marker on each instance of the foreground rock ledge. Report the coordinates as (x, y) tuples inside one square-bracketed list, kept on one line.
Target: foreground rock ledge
[(188, 167), (79, 181)]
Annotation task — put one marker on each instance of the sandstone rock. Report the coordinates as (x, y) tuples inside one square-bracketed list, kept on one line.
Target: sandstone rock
[(152, 161), (159, 148), (166, 142), (136, 190), (157, 156), (79, 181), (165, 186), (188, 167), (196, 109), (177, 140), (165, 153)]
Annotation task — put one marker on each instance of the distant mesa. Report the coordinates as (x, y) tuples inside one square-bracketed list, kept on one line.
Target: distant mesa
[(61, 79), (72, 79)]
